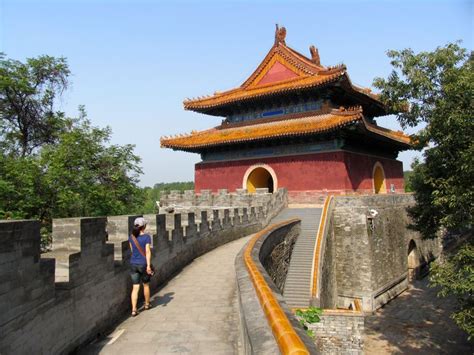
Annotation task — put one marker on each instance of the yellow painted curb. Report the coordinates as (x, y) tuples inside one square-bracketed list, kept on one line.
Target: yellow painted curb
[(286, 337), (319, 241)]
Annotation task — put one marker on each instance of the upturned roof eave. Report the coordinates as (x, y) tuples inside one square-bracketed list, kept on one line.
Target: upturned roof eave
[(399, 139), (219, 102), (393, 137), (345, 118), (211, 109), (342, 76)]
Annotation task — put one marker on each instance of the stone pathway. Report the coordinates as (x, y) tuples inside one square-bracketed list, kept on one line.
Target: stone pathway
[(196, 312), (417, 322)]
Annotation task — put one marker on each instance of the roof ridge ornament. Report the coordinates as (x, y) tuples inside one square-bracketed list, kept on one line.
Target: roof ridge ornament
[(315, 55), (280, 35)]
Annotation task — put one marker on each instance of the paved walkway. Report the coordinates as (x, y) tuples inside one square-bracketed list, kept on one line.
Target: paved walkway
[(417, 322), (196, 312)]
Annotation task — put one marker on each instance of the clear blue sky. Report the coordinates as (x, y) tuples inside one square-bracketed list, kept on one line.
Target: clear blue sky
[(134, 62)]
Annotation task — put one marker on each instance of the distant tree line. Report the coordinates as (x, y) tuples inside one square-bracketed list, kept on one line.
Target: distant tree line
[(153, 194)]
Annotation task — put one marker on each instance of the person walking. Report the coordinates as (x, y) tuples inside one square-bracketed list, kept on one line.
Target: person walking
[(140, 263)]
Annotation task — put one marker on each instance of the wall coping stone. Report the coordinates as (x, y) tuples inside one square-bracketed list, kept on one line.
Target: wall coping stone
[(258, 336)]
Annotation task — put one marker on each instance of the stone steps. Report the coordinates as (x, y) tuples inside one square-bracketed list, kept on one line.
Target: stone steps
[(298, 281)]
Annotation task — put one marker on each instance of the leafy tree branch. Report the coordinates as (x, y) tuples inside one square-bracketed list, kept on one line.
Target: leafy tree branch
[(437, 89)]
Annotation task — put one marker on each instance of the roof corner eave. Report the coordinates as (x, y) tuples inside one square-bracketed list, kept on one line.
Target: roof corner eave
[(395, 137)]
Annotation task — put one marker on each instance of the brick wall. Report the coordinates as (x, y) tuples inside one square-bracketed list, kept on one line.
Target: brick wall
[(372, 253), (327, 270), (54, 302), (278, 251), (339, 332), (186, 200)]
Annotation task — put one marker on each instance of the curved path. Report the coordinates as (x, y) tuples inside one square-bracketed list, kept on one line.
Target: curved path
[(196, 312)]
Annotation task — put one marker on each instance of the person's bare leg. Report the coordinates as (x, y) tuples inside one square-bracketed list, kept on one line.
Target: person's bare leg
[(134, 297), (146, 293)]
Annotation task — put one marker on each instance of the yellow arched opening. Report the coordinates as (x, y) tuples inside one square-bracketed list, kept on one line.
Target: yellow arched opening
[(259, 178), (379, 180)]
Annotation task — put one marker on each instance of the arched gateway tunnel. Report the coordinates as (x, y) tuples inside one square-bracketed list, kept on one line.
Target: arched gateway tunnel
[(259, 177)]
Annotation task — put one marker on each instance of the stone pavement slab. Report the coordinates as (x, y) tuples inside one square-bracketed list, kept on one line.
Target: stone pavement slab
[(196, 312)]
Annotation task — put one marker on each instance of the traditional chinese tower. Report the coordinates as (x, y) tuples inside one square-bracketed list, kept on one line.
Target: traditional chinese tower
[(298, 124)]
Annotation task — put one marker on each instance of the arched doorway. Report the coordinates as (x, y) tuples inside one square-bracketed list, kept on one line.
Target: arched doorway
[(259, 177), (379, 179), (415, 262)]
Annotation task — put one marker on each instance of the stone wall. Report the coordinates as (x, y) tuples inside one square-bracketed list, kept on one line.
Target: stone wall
[(309, 197), (277, 261), (339, 332), (257, 336), (223, 198), (54, 302), (184, 202), (372, 251), (353, 251), (363, 264), (327, 295)]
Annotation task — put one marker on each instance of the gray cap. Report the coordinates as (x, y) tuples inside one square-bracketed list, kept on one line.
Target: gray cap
[(140, 222)]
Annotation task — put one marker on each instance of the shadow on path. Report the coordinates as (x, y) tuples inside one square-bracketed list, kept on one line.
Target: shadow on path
[(417, 322), (161, 300)]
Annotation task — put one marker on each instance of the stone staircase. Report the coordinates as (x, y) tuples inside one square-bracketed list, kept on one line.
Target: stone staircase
[(298, 281)]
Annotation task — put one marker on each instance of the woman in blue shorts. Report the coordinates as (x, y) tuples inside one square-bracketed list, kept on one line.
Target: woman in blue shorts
[(140, 263)]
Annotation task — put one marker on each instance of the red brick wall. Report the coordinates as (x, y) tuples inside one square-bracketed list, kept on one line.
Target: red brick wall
[(334, 171)]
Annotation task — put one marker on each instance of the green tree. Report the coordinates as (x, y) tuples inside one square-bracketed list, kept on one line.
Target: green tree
[(436, 89), (85, 176), (52, 166), (21, 187), (455, 276), (407, 178), (153, 194), (27, 97)]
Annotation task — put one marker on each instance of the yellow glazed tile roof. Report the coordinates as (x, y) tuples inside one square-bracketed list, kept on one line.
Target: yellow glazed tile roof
[(285, 128), (263, 90), (395, 135), (219, 136), (308, 75)]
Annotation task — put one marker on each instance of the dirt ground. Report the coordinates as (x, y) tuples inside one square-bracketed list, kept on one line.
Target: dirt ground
[(416, 322)]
